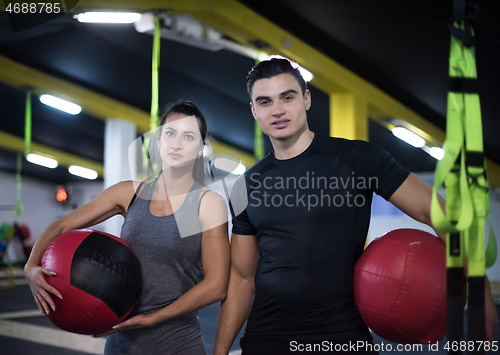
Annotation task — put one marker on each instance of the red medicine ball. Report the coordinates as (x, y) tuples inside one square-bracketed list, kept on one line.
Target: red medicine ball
[(400, 287), (99, 278)]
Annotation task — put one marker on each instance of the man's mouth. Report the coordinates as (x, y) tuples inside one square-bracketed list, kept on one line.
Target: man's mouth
[(280, 123)]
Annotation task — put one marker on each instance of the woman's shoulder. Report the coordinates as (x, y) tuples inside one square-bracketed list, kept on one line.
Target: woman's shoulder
[(124, 191), (211, 196), (213, 209), (125, 186), (211, 200)]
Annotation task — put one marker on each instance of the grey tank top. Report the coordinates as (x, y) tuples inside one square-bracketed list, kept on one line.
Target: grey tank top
[(171, 264), (169, 250)]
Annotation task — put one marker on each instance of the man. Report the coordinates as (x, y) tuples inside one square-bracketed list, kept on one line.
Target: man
[(304, 226)]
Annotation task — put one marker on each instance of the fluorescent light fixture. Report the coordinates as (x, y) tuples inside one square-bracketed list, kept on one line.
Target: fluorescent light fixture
[(43, 161), (60, 104), (108, 17), (437, 152), (240, 170), (409, 137), (261, 57), (83, 172), (229, 165), (306, 74)]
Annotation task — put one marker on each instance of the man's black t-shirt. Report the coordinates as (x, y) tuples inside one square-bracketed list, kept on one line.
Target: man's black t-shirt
[(311, 214)]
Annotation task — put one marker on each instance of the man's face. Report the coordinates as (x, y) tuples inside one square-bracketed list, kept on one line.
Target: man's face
[(279, 106)]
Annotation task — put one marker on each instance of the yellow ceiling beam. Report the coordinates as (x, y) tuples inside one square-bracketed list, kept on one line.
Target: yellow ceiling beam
[(93, 104), (246, 159), (244, 25), (142, 5), (16, 144), (96, 105)]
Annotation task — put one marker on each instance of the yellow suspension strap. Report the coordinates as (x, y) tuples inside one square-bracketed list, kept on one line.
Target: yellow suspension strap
[(18, 208), (155, 74), (258, 140), (463, 170), (155, 89)]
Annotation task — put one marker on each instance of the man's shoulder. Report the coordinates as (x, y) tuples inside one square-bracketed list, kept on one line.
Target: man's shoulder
[(351, 151), (260, 165), (336, 144)]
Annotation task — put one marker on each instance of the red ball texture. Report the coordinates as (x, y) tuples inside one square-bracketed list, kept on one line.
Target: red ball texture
[(99, 278), (400, 287)]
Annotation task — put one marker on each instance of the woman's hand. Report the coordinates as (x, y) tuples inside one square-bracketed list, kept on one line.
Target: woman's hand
[(139, 321), (40, 288)]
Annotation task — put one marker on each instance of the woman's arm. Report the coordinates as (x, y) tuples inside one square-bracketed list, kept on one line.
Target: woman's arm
[(112, 201), (215, 256)]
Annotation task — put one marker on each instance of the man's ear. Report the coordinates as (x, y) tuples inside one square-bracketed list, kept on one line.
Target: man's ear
[(252, 108), (307, 98)]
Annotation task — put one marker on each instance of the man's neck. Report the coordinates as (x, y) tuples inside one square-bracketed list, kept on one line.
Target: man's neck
[(290, 148)]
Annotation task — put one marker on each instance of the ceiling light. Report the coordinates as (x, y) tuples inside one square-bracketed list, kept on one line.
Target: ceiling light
[(183, 29), (83, 172), (240, 170), (229, 165), (437, 152), (262, 57), (306, 74), (43, 161), (61, 104), (108, 17), (409, 137)]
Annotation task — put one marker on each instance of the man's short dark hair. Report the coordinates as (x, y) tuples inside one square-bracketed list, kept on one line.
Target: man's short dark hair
[(270, 68)]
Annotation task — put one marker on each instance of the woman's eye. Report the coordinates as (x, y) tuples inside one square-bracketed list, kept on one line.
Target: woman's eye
[(189, 137), (169, 134)]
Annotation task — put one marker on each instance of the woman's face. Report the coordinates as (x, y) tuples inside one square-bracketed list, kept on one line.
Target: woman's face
[(180, 141)]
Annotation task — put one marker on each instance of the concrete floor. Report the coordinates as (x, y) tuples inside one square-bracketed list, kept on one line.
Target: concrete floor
[(23, 331)]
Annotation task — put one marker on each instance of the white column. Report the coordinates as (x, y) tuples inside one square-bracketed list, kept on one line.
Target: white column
[(118, 136)]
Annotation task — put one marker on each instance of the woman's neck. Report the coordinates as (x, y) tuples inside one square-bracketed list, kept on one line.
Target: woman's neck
[(176, 181)]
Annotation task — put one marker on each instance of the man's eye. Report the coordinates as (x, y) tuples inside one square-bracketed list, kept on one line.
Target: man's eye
[(288, 98), (263, 102)]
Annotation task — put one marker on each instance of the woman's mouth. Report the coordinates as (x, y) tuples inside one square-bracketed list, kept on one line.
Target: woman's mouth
[(175, 155)]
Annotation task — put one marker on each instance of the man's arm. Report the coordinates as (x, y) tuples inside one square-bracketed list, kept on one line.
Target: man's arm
[(413, 197), (234, 309)]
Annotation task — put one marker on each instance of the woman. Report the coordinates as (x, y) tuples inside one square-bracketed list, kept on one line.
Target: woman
[(176, 226)]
